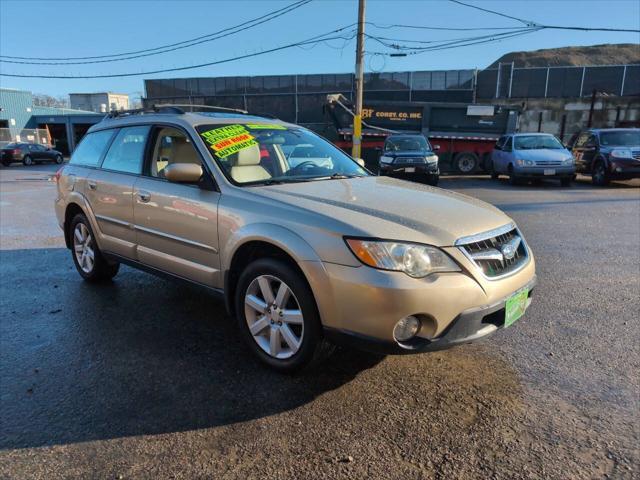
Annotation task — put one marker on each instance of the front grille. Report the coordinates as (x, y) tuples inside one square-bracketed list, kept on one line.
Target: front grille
[(548, 163), (487, 252), (635, 154), (404, 160)]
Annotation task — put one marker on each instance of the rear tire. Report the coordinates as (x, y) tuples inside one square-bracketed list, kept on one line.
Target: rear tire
[(59, 159), (27, 160), (6, 163), (287, 342), (87, 257), (466, 162), (600, 176)]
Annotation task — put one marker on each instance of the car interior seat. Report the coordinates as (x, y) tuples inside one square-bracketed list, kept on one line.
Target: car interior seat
[(247, 168)]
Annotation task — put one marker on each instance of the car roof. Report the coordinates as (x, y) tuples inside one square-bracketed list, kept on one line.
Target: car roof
[(538, 134), (598, 130), (186, 120)]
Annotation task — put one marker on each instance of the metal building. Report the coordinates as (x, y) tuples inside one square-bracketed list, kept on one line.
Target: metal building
[(102, 102), (22, 121)]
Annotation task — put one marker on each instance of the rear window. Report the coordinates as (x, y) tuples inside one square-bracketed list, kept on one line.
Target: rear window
[(91, 148)]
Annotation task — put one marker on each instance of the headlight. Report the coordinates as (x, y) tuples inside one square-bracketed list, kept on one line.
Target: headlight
[(525, 163), (621, 153), (385, 159), (411, 258), (431, 158), (568, 161)]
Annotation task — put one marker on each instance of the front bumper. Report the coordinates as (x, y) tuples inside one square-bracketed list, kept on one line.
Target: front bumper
[(623, 169), (539, 172), (409, 168), (469, 326), (361, 305)]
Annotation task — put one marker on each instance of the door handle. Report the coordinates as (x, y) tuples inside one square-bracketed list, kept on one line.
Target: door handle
[(91, 184), (143, 196)]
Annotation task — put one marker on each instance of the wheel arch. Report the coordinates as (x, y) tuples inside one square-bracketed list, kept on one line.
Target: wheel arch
[(263, 241), (76, 203)]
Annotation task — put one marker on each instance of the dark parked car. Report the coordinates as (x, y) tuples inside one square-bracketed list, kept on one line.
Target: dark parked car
[(409, 156), (608, 154), (29, 153)]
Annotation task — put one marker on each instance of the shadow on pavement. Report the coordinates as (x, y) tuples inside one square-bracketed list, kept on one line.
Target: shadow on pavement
[(138, 356)]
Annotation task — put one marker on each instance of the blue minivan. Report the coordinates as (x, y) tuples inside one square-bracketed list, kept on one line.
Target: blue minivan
[(529, 156)]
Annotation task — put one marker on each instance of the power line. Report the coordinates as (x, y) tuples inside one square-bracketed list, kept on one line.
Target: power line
[(162, 49), (446, 29), (528, 23), (445, 42), (316, 39), (494, 38), (554, 27)]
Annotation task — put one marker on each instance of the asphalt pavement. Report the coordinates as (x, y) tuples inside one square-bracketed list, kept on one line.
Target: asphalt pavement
[(147, 378)]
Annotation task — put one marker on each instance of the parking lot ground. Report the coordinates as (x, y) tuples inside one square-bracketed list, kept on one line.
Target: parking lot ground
[(146, 378)]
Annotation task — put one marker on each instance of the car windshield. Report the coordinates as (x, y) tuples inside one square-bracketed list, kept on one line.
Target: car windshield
[(258, 154), (621, 138), (404, 144), (12, 145), (537, 142)]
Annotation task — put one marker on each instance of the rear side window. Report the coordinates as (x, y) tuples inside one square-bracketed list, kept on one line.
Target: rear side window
[(127, 150), (91, 148)]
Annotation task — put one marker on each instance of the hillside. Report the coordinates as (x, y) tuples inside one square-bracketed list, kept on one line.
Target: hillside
[(609, 54)]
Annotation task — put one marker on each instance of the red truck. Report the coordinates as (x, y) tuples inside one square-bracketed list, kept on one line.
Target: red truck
[(464, 133)]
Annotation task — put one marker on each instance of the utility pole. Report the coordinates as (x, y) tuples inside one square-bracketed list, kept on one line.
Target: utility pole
[(357, 118)]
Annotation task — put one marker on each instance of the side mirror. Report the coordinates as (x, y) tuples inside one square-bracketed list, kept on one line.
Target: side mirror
[(360, 162), (436, 148), (183, 172)]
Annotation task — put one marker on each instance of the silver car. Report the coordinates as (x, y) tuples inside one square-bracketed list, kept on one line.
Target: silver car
[(306, 249), (531, 156)]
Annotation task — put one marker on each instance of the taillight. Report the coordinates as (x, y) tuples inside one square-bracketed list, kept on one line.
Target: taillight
[(15, 151), (58, 174)]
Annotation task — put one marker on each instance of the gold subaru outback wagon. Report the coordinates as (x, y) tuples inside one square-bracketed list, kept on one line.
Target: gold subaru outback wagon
[(306, 246)]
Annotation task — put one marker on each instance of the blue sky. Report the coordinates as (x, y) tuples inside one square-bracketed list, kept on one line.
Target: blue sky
[(87, 28)]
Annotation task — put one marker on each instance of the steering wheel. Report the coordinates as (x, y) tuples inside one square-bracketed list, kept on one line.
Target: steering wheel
[(301, 166)]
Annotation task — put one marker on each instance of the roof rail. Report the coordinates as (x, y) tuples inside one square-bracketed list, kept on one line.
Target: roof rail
[(197, 108), (141, 111)]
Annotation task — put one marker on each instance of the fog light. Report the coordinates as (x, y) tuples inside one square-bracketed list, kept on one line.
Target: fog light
[(406, 328)]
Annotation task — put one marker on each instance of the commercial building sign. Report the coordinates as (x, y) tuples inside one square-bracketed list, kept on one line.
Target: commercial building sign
[(409, 118)]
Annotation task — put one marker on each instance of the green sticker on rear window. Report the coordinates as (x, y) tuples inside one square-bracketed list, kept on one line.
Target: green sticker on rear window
[(225, 141), (265, 126)]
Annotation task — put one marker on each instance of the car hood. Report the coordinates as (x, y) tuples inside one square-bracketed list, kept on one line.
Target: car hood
[(543, 154), (384, 207)]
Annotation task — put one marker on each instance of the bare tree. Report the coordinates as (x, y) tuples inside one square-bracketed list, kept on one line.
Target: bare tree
[(44, 100)]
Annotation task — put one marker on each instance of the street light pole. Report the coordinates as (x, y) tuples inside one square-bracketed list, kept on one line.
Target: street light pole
[(356, 150)]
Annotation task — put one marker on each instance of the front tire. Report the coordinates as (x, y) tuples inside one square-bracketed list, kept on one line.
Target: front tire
[(87, 257), (433, 180), (277, 316), (27, 160), (513, 178), (600, 176), (565, 182)]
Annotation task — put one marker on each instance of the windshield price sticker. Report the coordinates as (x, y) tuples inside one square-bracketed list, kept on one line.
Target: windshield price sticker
[(225, 141), (265, 126)]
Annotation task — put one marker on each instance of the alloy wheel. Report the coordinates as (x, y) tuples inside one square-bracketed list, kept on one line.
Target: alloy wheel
[(83, 248), (274, 316)]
